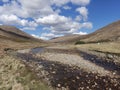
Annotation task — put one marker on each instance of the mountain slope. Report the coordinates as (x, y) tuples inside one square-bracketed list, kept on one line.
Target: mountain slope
[(110, 32), (12, 33), (67, 39)]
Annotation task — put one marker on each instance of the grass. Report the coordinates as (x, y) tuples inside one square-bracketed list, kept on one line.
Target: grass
[(111, 47), (15, 76), (80, 42)]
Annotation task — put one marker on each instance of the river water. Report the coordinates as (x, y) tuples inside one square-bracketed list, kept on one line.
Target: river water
[(66, 77)]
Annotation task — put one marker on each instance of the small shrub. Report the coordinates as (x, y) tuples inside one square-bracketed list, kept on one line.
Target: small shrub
[(80, 42), (8, 49)]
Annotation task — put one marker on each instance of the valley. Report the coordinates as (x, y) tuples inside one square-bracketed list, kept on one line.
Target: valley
[(88, 62)]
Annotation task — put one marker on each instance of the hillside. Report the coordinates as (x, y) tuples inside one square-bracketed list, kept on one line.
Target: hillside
[(13, 38), (14, 34), (67, 39), (110, 32)]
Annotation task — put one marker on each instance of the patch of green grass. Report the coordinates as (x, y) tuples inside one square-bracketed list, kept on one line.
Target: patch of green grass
[(80, 42)]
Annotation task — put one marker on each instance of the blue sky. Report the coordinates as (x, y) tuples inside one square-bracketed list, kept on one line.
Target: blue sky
[(103, 12), (53, 18)]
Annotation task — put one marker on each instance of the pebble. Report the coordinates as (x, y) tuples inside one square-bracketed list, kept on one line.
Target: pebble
[(59, 85), (114, 73), (53, 72), (77, 77)]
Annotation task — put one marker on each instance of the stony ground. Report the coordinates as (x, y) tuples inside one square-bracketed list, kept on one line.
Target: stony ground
[(14, 75), (72, 70)]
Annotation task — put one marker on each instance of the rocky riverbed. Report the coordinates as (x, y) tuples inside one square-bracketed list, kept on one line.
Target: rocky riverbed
[(71, 69)]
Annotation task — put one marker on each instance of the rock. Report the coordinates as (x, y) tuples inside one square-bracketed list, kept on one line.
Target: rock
[(59, 85), (109, 56), (53, 72), (77, 77), (114, 73)]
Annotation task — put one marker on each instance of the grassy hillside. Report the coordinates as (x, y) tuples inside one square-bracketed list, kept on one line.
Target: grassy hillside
[(108, 33), (13, 33), (13, 38), (14, 75), (67, 39)]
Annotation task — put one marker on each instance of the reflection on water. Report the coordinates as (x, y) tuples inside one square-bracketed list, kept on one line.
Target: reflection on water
[(37, 50)]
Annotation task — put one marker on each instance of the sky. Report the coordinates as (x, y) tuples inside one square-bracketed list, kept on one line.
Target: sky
[(46, 19)]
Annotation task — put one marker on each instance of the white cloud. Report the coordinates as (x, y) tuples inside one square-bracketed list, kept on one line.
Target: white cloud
[(59, 2), (46, 13), (81, 2), (5, 0), (52, 20), (78, 18), (47, 36), (81, 33), (28, 28), (36, 36), (58, 11), (61, 25), (87, 25), (14, 20), (83, 11), (77, 2), (67, 7)]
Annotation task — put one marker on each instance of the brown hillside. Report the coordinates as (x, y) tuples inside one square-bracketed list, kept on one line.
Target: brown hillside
[(67, 39), (13, 33), (110, 32)]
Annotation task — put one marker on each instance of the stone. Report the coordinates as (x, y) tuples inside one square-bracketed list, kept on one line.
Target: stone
[(59, 85)]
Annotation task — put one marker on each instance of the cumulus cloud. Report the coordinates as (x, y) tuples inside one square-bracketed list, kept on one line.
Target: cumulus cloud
[(46, 13), (59, 2), (59, 24), (81, 33), (52, 20), (36, 36), (81, 2), (83, 11), (87, 25), (14, 20), (5, 0), (47, 36), (78, 18), (66, 7)]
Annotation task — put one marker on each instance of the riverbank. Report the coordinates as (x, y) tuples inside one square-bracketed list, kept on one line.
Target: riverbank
[(68, 70), (14, 75)]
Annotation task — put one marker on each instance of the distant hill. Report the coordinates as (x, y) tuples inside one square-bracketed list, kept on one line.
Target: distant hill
[(14, 34), (67, 39), (110, 32)]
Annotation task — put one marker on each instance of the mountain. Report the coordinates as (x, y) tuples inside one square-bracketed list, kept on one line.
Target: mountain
[(110, 32), (14, 34), (67, 39)]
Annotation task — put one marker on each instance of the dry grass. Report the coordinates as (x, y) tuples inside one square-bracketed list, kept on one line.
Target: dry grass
[(113, 47), (19, 45), (15, 76)]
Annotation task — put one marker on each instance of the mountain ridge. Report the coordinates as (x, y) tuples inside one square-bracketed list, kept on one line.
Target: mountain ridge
[(15, 34), (110, 32)]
